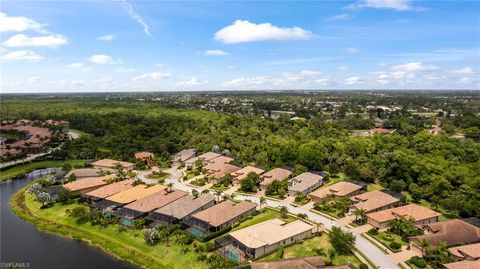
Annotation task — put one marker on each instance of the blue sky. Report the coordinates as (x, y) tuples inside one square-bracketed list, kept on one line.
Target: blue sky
[(58, 46)]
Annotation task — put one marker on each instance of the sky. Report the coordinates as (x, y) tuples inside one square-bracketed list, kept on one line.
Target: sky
[(127, 45)]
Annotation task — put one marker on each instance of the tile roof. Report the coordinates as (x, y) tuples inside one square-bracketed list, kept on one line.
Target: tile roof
[(341, 189), (185, 154), (312, 262), (223, 212), (143, 155), (86, 183), (454, 232), (372, 200), (472, 250), (111, 189), (207, 156), (463, 265), (186, 205), (275, 174), (270, 232), (242, 173), (219, 170), (155, 200), (304, 181), (135, 193), (111, 163), (84, 172), (411, 210)]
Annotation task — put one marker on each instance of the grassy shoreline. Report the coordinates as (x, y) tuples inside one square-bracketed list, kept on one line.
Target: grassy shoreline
[(127, 246), (12, 172)]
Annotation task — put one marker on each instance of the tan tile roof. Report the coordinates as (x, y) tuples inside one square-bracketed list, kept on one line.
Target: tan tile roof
[(155, 200), (186, 205), (86, 183), (219, 170), (84, 172), (111, 163), (135, 193), (372, 200), (207, 156), (463, 265), (472, 250), (242, 173), (341, 189), (220, 160), (223, 212), (411, 210), (312, 262), (143, 155), (185, 154), (270, 232), (275, 174), (111, 189), (454, 232), (304, 181)]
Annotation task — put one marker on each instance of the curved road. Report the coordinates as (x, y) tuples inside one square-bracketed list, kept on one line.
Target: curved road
[(367, 248)]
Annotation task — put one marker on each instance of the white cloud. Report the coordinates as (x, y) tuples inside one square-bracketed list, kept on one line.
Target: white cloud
[(102, 59), (216, 53), (192, 82), (244, 31), (21, 40), (79, 66), (151, 76), (125, 70), (352, 50), (134, 15), (414, 67), (400, 5), (109, 37), (310, 79), (353, 80), (78, 83), (18, 24), (464, 70), (22, 55), (339, 17)]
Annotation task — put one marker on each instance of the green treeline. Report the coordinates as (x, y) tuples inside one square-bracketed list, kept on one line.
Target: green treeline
[(440, 169)]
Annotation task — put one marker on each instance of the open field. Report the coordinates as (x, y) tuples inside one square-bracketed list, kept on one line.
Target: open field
[(27, 168)]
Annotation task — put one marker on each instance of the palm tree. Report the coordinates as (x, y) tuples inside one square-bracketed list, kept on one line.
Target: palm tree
[(423, 244), (232, 196), (170, 186), (195, 193), (218, 193), (262, 201), (284, 211), (360, 212)]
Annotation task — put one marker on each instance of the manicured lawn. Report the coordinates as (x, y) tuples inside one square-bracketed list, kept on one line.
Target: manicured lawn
[(374, 187), (29, 167), (333, 180), (306, 248), (128, 245), (380, 237), (158, 176), (267, 214)]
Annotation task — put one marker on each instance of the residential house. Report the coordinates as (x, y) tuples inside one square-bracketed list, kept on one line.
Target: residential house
[(147, 204), (306, 182), (108, 190), (374, 201), (220, 215), (454, 232), (109, 165), (182, 209), (184, 155), (243, 173), (467, 264), (264, 238), (467, 252), (311, 262), (346, 188), (272, 175), (205, 157), (145, 156), (421, 215), (86, 184), (112, 202), (84, 172), (217, 170)]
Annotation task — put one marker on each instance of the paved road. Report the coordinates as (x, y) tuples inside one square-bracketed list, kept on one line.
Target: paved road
[(378, 257), (31, 157)]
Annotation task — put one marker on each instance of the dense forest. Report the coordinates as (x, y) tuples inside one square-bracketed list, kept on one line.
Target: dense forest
[(443, 170)]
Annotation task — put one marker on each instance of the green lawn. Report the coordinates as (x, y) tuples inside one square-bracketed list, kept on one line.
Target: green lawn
[(28, 167), (380, 237), (158, 176), (333, 180), (306, 248), (267, 214), (128, 245), (374, 187)]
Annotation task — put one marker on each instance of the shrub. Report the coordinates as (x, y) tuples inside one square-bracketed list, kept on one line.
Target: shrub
[(395, 245), (80, 214), (363, 266), (388, 237), (372, 231), (279, 253), (418, 261)]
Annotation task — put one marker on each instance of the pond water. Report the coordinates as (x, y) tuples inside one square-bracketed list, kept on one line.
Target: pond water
[(26, 246)]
